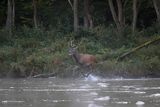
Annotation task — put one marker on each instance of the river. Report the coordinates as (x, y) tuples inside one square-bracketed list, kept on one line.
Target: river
[(88, 92)]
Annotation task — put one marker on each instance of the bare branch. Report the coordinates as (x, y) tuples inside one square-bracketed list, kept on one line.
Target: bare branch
[(69, 1)]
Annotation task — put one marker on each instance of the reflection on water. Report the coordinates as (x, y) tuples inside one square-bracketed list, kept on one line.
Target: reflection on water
[(88, 92)]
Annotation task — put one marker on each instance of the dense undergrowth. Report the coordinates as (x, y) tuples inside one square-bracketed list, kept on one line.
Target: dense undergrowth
[(31, 51)]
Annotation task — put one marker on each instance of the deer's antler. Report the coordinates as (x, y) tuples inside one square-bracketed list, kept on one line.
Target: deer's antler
[(72, 44)]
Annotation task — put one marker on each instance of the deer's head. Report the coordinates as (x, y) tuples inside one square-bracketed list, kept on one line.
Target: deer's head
[(72, 49)]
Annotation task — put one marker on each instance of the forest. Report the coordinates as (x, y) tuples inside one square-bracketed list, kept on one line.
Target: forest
[(124, 36)]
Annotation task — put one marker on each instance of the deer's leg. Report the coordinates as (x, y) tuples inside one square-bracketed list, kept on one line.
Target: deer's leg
[(84, 75), (83, 72), (90, 67)]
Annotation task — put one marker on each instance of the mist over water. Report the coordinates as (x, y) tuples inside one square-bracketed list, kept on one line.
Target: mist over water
[(91, 91)]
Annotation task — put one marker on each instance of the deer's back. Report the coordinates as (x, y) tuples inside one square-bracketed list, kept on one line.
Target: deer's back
[(87, 59)]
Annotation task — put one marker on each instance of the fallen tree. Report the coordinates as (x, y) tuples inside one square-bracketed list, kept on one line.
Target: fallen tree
[(137, 48), (46, 75)]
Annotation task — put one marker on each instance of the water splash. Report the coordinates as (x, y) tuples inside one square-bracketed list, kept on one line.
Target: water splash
[(92, 78)]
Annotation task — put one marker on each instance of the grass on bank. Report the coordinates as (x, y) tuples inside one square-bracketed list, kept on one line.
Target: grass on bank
[(33, 51)]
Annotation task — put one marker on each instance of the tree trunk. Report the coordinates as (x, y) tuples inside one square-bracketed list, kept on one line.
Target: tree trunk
[(115, 17), (120, 12), (13, 13), (135, 13), (35, 13), (156, 4), (9, 17), (88, 22), (75, 11)]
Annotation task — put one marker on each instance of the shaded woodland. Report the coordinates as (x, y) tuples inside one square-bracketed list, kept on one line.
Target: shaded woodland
[(34, 36), (79, 13)]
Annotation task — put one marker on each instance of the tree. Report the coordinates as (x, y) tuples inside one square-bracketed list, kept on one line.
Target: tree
[(117, 17), (10, 22), (121, 17), (135, 13), (35, 13), (156, 4), (74, 7), (75, 12), (88, 21)]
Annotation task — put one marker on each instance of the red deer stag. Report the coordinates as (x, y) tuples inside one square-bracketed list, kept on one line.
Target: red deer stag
[(84, 60)]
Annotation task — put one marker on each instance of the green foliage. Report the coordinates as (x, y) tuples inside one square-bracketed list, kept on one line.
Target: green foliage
[(30, 49), (26, 32), (148, 32), (4, 37)]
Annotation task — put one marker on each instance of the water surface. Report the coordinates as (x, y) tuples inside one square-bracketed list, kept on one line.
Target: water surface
[(90, 92)]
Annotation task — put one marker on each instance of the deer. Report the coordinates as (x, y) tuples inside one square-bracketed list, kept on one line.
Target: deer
[(84, 60)]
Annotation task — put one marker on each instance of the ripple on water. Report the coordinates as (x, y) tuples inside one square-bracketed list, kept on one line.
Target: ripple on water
[(140, 103), (155, 95), (106, 98), (94, 105), (102, 84), (61, 90), (139, 92), (129, 87), (56, 101), (93, 93), (59, 86), (85, 86), (11, 101), (11, 87), (6, 89), (122, 102), (148, 88)]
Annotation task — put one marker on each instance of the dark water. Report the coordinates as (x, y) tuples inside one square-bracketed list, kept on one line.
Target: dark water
[(91, 92)]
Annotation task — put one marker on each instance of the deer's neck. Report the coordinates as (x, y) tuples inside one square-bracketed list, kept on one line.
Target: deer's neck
[(76, 56)]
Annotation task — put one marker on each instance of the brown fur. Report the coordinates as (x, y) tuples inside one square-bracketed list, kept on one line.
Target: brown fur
[(87, 59), (57, 61)]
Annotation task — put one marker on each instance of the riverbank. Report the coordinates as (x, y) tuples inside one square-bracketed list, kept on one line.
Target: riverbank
[(31, 52), (108, 69)]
